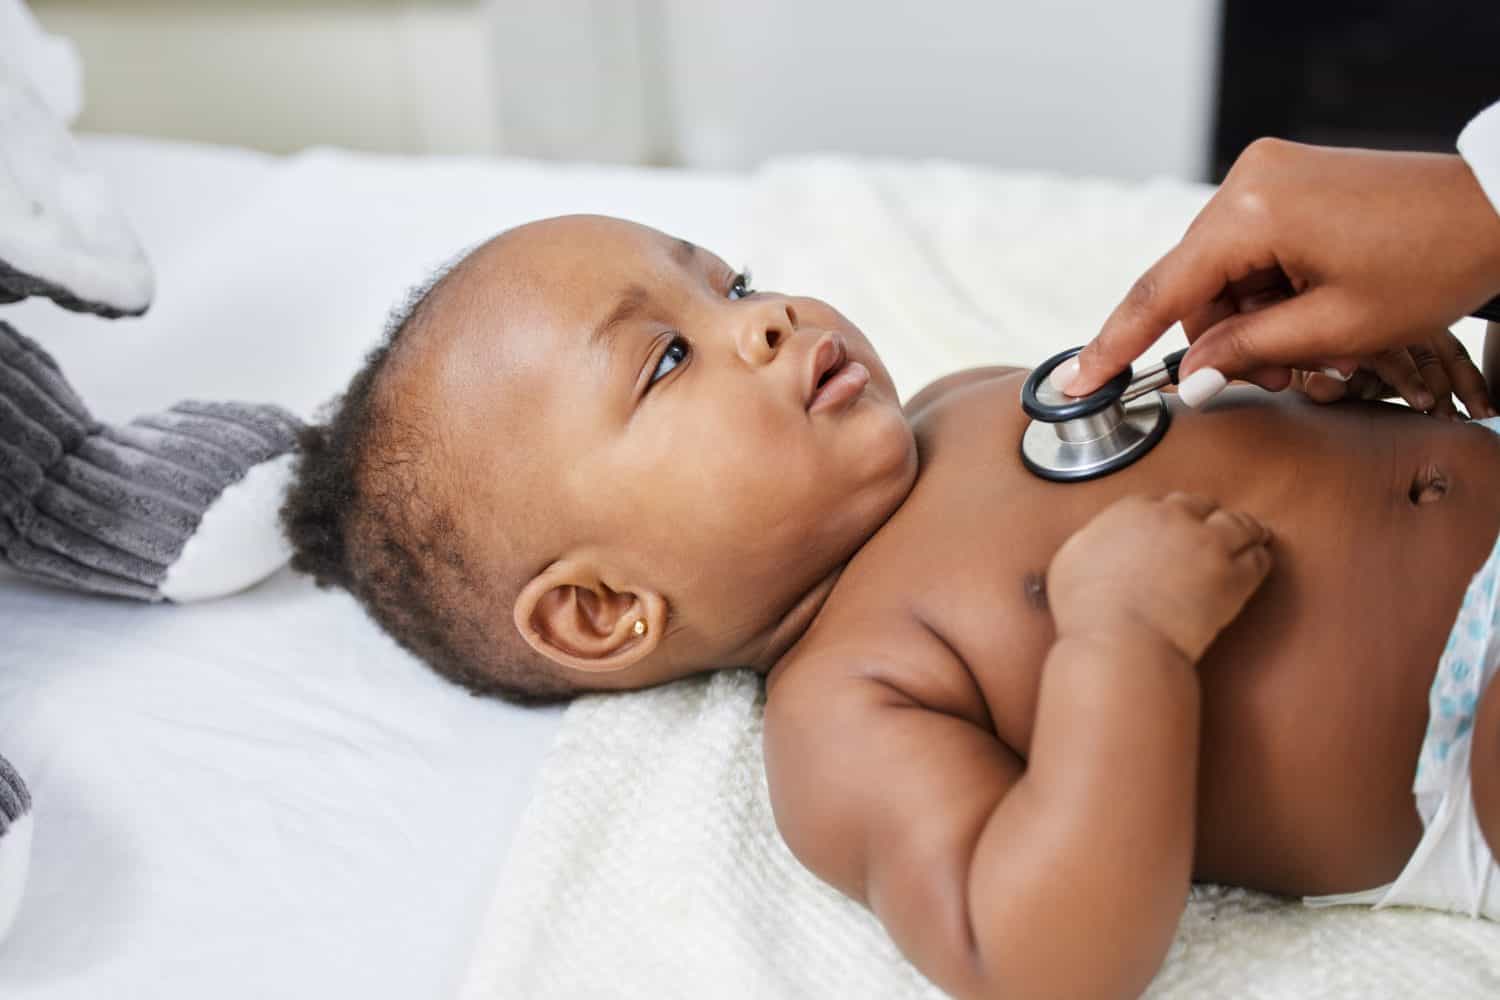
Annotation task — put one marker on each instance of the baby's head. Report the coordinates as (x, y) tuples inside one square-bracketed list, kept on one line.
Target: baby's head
[(583, 424)]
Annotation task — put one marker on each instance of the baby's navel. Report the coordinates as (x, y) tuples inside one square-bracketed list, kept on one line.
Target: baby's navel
[(1429, 485), (1034, 586)]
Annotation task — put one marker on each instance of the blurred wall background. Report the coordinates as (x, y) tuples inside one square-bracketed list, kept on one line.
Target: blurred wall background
[(1075, 85), (1131, 89)]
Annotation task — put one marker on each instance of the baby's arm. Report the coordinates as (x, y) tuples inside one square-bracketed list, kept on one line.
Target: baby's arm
[(1065, 878), (1064, 875)]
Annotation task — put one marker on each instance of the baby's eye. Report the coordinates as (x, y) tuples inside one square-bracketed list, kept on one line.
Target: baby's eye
[(740, 286), (676, 352)]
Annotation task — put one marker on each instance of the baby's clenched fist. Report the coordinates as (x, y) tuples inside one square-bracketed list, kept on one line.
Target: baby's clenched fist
[(1180, 566)]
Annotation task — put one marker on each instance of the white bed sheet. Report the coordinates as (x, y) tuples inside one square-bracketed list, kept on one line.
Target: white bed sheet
[(263, 796)]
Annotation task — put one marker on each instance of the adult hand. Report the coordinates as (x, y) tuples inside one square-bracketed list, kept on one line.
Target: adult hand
[(1428, 375), (1311, 257)]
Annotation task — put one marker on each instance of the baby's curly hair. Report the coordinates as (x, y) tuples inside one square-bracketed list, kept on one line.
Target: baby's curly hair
[(369, 512)]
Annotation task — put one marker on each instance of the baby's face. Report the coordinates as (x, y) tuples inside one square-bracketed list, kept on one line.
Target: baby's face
[(642, 422)]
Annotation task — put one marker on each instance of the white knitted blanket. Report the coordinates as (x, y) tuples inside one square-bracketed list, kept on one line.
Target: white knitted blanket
[(648, 865)]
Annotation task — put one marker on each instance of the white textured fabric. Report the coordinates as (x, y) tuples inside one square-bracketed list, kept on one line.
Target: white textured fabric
[(1479, 145), (648, 864)]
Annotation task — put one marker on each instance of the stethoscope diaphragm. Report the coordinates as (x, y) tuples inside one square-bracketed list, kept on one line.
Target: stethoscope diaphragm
[(1072, 439)]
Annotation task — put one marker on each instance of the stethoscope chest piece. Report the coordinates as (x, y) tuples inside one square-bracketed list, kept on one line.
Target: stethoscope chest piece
[(1071, 439)]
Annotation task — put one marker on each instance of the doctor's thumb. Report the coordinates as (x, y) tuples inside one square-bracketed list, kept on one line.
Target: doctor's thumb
[(1264, 346)]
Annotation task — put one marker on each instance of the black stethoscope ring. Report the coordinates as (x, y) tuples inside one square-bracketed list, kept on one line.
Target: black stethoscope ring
[(1071, 440)]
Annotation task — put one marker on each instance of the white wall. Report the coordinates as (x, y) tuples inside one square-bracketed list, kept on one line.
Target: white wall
[(1123, 88), (1083, 86), (375, 74)]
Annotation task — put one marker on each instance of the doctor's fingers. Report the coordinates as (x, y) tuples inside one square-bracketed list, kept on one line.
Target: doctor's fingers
[(1322, 388), (1432, 370), (1466, 378), (1443, 366), (1258, 291), (1189, 276), (1297, 332)]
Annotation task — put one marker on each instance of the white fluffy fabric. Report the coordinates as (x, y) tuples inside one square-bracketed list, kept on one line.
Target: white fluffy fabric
[(49, 62), (15, 862), (58, 221), (648, 864), (239, 540)]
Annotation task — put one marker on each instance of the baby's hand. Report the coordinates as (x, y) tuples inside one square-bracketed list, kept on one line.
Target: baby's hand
[(1180, 567)]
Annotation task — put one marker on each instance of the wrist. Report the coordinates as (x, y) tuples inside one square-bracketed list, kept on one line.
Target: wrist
[(1485, 226), (1128, 635), (1479, 146)]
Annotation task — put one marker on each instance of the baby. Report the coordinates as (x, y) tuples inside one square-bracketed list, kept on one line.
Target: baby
[(1012, 717)]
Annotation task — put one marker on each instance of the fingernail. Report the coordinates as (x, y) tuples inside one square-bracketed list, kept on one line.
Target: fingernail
[(1424, 401), (1201, 386), (1333, 372), (1064, 374)]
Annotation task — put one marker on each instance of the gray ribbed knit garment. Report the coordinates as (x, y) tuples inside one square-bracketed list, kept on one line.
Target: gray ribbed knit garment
[(15, 800), (108, 509)]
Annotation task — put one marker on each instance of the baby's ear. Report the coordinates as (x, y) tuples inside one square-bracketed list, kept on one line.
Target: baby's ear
[(572, 617)]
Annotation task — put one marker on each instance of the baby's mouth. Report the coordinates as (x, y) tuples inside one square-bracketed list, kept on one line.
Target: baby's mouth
[(831, 356), (839, 386)]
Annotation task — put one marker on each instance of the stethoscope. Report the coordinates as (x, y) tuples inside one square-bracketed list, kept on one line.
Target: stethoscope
[(1073, 438)]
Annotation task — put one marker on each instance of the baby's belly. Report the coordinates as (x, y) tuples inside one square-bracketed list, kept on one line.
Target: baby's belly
[(1314, 700)]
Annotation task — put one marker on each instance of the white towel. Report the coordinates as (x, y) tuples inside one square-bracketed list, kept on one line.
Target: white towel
[(648, 865)]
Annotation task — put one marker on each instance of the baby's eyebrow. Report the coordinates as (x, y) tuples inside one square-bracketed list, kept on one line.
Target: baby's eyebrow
[(632, 302)]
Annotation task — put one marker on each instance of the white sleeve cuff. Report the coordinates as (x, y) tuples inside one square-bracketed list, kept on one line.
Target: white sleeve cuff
[(1479, 145)]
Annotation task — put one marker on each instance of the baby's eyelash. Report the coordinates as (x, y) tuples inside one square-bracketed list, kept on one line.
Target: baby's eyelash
[(740, 285), (667, 354)]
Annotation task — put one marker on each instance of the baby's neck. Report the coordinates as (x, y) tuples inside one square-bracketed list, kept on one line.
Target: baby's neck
[(794, 623)]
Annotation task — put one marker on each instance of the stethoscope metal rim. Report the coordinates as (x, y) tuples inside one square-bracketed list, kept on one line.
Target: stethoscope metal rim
[(1046, 455), (1076, 441)]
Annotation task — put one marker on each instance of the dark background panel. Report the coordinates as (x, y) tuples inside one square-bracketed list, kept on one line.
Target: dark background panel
[(1388, 74)]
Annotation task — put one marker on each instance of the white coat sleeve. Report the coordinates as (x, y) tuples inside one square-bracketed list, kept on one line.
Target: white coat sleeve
[(1479, 145)]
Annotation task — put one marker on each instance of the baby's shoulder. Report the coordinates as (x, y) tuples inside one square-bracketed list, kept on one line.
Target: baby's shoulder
[(940, 388), (864, 647)]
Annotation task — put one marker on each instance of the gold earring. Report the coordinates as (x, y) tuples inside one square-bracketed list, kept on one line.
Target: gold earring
[(640, 626)]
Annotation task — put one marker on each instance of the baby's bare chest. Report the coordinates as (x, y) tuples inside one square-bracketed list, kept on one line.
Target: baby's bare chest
[(1369, 562), (1314, 699)]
